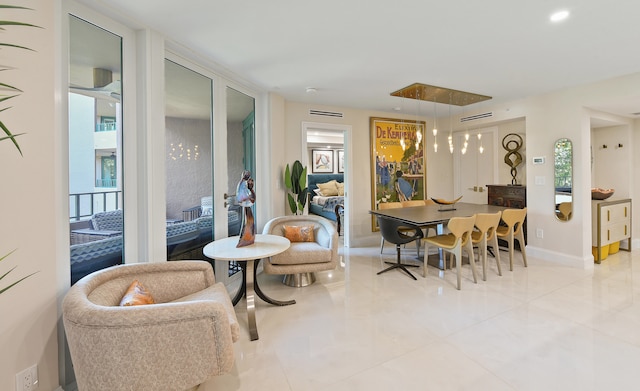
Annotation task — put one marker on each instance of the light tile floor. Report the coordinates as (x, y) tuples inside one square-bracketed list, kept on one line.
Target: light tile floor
[(545, 327)]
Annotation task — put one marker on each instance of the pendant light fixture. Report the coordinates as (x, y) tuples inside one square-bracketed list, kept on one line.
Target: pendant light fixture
[(437, 95), (435, 126)]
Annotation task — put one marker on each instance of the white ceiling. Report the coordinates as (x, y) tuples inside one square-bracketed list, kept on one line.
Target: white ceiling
[(355, 53)]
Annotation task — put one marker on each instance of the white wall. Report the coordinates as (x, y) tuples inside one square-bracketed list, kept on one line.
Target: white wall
[(29, 312)]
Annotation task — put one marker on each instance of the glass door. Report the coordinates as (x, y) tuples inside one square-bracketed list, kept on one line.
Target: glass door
[(95, 148), (240, 113), (189, 175)]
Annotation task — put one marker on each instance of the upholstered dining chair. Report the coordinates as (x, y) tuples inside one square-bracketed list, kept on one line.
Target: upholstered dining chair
[(565, 210), (393, 205), (426, 228), (458, 238), (485, 235), (396, 232), (512, 230)]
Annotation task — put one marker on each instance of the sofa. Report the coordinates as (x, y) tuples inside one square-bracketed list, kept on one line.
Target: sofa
[(177, 343)]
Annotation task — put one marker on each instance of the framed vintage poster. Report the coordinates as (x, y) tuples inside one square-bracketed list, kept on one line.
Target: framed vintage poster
[(340, 161), (321, 161), (398, 170)]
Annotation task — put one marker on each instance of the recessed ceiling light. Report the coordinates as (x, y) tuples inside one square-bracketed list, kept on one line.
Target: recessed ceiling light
[(311, 90), (559, 16)]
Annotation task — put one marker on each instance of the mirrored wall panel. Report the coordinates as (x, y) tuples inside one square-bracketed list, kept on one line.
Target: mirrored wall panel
[(563, 179)]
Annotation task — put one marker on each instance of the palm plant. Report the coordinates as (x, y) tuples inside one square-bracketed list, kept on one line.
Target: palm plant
[(11, 92)]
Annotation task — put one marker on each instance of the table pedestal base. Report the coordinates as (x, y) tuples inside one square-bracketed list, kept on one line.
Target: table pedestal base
[(250, 286)]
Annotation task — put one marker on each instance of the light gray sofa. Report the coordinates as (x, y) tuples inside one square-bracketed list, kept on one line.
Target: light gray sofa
[(175, 344)]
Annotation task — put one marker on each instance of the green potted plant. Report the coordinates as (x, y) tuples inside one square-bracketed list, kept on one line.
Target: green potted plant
[(8, 92), (295, 180)]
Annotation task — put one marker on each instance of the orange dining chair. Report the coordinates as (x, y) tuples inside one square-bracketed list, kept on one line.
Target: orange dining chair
[(512, 230), (485, 235), (458, 238)]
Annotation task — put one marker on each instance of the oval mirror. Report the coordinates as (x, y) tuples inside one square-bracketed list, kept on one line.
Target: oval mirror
[(563, 179)]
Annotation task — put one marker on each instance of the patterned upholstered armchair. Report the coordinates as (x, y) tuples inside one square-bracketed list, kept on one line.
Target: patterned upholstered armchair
[(175, 344)]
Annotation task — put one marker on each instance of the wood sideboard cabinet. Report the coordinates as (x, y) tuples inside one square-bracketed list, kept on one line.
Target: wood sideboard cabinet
[(610, 223), (511, 197)]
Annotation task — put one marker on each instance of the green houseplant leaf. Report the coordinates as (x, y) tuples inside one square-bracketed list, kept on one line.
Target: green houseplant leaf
[(10, 270), (295, 180)]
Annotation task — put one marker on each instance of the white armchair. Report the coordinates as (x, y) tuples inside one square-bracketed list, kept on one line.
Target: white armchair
[(302, 259), (175, 344)]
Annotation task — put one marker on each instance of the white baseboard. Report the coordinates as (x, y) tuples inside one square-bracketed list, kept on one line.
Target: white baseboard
[(560, 258)]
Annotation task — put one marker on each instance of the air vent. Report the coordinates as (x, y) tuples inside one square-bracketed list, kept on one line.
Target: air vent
[(477, 116), (326, 113)]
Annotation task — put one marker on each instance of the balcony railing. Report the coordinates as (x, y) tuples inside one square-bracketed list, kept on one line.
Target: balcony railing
[(83, 205), (106, 182), (105, 127)]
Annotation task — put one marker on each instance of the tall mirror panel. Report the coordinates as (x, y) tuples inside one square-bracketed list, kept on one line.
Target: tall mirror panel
[(563, 179)]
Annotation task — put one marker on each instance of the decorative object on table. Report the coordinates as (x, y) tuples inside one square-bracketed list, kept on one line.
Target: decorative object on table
[(322, 161), (445, 205), (396, 145), (601, 194), (512, 143), (295, 180), (246, 198)]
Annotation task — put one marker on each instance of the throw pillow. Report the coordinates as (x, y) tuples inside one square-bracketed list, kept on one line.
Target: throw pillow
[(136, 295), (340, 186), (296, 233), (329, 189)]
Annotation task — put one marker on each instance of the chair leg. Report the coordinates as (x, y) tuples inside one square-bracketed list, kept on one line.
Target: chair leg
[(496, 252), (510, 240), (458, 255), (472, 262), (483, 258), (398, 265), (381, 245), (522, 247), (426, 260)]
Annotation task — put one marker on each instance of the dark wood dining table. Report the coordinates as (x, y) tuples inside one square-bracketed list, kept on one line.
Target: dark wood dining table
[(435, 214)]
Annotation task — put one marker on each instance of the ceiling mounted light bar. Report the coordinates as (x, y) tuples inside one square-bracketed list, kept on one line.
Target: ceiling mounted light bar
[(439, 95)]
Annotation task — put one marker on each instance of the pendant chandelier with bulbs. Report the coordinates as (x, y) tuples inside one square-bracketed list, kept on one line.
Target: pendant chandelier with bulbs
[(446, 96)]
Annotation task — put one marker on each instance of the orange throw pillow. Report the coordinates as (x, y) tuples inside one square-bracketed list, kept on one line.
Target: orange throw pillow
[(296, 233), (136, 295)]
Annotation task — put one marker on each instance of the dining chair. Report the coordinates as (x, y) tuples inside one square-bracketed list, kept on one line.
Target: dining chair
[(396, 232), (408, 204), (512, 230), (392, 205), (485, 235), (458, 238)]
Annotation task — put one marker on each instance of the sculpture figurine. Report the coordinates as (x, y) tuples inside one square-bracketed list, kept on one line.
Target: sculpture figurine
[(246, 197), (512, 144)]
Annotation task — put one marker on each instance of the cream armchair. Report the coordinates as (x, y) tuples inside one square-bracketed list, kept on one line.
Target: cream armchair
[(175, 344), (302, 259)]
